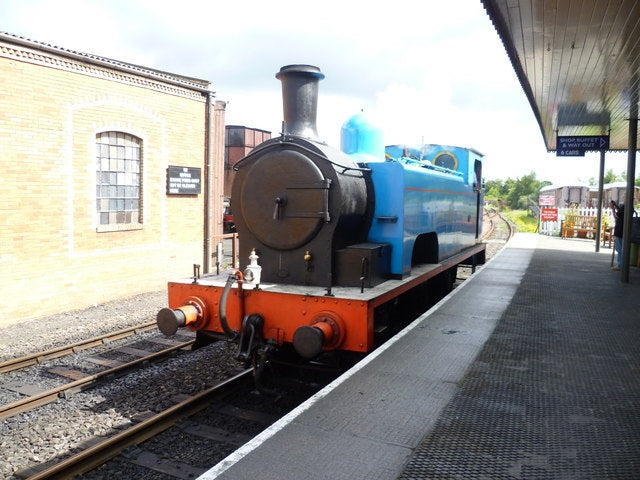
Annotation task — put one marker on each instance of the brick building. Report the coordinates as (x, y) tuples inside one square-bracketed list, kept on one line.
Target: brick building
[(90, 209), (239, 141)]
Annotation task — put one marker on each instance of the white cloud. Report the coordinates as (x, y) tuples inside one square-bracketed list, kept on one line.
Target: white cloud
[(425, 70)]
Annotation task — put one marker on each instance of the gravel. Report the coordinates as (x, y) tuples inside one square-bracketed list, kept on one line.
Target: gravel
[(30, 336), (59, 429)]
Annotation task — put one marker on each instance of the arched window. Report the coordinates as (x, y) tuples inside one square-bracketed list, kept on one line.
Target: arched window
[(118, 186)]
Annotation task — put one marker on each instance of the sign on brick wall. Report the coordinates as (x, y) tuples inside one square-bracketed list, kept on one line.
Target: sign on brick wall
[(183, 180)]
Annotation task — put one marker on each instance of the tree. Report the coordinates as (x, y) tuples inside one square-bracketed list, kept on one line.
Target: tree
[(494, 189), (523, 189), (609, 177), (516, 194)]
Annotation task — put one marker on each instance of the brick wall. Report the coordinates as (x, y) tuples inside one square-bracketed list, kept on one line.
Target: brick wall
[(52, 258)]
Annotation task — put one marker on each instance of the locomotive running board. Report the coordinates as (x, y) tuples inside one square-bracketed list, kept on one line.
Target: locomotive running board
[(376, 295), (420, 274)]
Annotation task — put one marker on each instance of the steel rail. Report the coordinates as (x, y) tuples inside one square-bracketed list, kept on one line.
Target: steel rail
[(35, 358), (492, 227), (512, 230), (100, 453), (51, 395), (510, 226), (490, 214)]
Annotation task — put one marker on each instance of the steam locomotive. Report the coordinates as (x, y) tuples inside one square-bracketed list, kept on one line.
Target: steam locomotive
[(341, 245)]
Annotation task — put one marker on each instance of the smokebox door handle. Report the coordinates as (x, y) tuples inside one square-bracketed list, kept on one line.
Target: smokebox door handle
[(280, 203)]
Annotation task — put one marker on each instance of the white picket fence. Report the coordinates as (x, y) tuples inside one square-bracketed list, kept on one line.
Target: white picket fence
[(554, 228)]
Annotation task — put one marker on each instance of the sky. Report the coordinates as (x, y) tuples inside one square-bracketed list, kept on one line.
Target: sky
[(428, 71)]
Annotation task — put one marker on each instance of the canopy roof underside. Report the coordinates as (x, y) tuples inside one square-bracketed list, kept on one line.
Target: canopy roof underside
[(577, 61)]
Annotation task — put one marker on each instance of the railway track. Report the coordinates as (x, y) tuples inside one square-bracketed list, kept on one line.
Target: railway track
[(497, 226), (76, 380), (143, 407), (185, 439), (497, 229), (496, 232), (98, 454), (72, 348), (488, 223)]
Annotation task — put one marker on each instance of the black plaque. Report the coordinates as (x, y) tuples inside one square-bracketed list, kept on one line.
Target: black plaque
[(183, 180)]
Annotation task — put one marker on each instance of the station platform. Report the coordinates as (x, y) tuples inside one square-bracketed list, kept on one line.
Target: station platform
[(529, 370)]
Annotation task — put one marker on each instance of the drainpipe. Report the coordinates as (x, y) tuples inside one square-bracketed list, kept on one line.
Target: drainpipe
[(207, 183), (217, 165)]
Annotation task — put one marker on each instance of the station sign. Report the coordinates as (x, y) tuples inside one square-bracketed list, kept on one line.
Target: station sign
[(183, 180), (549, 214), (547, 199), (577, 145)]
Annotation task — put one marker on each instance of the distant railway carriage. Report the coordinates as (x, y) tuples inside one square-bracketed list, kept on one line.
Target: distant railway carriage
[(616, 191), (567, 195), (586, 196)]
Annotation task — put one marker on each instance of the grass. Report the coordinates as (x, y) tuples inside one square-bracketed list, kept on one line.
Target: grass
[(525, 221)]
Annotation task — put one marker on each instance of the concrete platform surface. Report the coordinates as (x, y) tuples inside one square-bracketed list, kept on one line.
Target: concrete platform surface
[(528, 370)]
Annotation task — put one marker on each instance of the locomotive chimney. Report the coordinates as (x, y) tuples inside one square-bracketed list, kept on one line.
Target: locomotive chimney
[(300, 99)]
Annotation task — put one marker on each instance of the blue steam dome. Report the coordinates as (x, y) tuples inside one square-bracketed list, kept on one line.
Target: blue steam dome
[(359, 136)]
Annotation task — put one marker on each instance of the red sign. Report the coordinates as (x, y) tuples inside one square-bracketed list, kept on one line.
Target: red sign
[(547, 199), (549, 214)]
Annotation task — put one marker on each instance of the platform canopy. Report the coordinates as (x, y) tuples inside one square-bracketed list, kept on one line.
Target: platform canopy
[(577, 61)]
